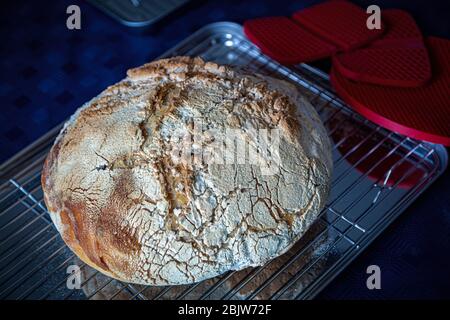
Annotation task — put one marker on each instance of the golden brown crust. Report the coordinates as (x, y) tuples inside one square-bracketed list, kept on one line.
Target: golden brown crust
[(73, 234), (126, 205)]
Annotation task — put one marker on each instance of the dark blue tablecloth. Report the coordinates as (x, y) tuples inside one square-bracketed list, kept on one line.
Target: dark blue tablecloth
[(48, 71)]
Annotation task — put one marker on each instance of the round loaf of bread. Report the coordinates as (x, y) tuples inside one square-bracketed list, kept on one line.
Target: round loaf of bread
[(185, 170)]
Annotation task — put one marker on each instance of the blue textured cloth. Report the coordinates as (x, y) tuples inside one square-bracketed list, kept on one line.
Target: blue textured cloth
[(47, 71)]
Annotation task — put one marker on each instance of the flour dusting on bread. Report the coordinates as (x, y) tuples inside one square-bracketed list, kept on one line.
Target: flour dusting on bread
[(129, 205)]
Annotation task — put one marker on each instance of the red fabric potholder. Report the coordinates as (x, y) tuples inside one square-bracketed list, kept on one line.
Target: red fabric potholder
[(338, 22), (399, 58), (422, 113), (283, 40)]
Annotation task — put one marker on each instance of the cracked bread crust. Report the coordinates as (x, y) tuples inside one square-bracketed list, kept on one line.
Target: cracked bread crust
[(128, 208)]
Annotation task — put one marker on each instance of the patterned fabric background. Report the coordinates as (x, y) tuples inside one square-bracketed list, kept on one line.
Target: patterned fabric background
[(47, 71)]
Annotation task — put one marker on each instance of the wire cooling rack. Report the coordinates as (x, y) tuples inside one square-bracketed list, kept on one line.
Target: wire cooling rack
[(377, 174)]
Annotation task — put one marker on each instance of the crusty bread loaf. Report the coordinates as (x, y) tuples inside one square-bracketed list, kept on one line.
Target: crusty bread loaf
[(97, 286), (128, 205), (312, 246)]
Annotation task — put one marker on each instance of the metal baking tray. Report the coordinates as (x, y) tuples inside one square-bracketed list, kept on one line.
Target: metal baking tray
[(377, 175), (138, 13)]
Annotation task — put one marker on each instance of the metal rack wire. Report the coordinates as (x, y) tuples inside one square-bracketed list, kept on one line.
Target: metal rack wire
[(377, 175)]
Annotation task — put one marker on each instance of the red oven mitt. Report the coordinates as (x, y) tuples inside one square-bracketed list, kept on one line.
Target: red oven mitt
[(284, 41), (313, 33), (422, 112), (399, 58), (339, 22)]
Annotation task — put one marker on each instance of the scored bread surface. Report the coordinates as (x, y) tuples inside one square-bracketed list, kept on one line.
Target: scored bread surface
[(127, 206)]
